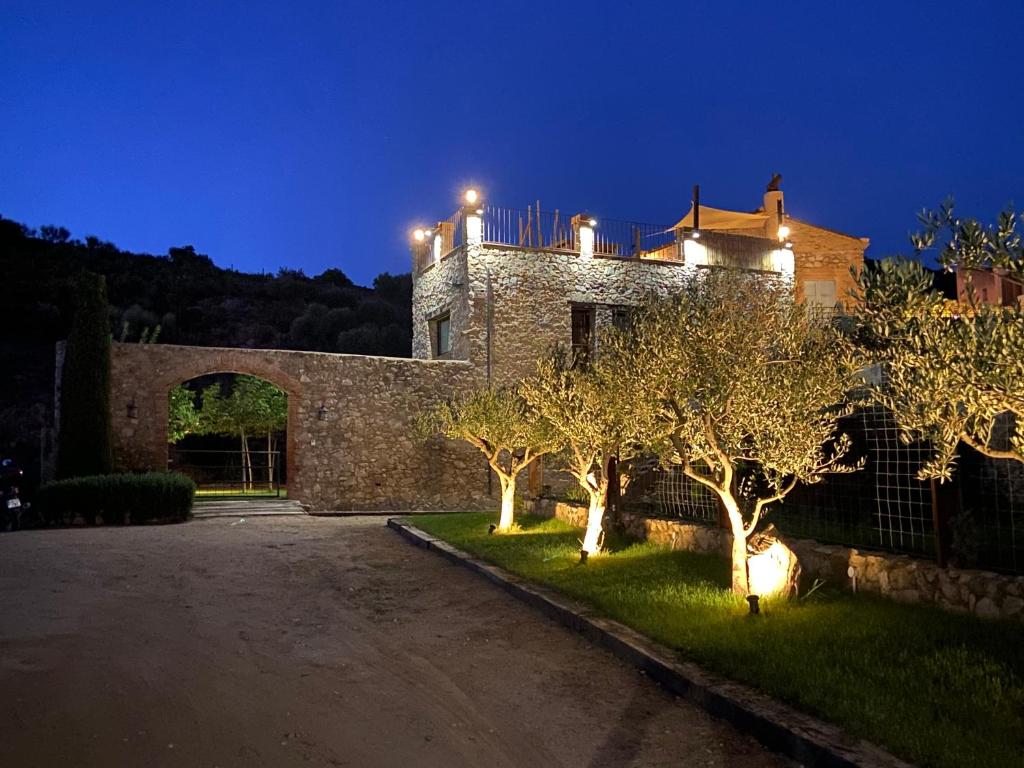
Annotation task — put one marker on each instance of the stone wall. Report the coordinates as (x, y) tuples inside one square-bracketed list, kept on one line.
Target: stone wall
[(362, 455), (440, 288), (822, 254), (532, 297), (898, 577)]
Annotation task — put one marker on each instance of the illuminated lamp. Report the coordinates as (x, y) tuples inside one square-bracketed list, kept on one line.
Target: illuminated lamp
[(471, 196), (783, 232), (419, 234), (593, 222), (695, 234), (788, 245)]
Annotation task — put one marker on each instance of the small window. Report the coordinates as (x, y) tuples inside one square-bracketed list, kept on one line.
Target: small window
[(582, 331), (442, 335), (622, 318)]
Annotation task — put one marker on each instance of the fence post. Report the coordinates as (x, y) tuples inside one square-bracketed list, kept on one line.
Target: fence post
[(945, 506)]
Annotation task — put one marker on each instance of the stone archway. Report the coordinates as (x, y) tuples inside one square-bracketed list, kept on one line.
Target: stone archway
[(278, 378), (141, 387)]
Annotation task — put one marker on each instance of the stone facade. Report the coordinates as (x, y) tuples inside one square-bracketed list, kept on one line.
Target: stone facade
[(362, 455), (509, 305), (822, 254), (898, 577)]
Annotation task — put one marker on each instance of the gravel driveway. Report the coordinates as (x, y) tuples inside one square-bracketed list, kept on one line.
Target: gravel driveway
[(283, 641)]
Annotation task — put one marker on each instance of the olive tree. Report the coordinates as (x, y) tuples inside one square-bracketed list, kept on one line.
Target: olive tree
[(501, 425), (949, 374), (738, 385), (584, 405)]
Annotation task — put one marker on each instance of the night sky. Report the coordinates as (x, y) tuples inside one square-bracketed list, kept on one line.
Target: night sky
[(309, 136)]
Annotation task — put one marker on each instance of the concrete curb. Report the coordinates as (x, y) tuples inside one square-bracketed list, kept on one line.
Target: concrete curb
[(801, 737)]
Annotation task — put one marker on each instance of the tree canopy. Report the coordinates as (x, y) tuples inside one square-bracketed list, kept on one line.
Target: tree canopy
[(502, 425), (741, 387), (949, 372)]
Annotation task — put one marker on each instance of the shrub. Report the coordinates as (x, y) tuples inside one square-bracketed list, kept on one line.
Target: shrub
[(134, 498)]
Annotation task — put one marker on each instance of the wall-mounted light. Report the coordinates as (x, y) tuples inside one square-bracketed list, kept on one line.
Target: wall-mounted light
[(593, 222), (321, 413), (695, 234), (470, 196), (132, 410), (418, 235), (783, 232), (788, 245)]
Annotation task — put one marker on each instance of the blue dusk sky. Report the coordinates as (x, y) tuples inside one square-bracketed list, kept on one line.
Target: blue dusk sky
[(315, 135)]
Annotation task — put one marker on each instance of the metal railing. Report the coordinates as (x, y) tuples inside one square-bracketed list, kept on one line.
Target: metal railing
[(530, 228), (538, 229), (230, 473)]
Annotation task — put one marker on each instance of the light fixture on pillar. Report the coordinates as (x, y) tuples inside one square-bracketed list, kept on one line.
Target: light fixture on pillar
[(418, 235), (321, 413), (132, 410), (470, 196)]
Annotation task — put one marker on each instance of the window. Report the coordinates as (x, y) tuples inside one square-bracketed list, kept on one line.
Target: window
[(582, 331), (820, 298), (622, 318), (442, 335)]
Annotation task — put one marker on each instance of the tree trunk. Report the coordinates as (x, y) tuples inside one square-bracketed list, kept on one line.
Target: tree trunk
[(595, 515), (508, 498), (246, 464), (270, 465), (740, 580)]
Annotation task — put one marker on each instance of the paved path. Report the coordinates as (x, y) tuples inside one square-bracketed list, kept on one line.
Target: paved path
[(284, 641)]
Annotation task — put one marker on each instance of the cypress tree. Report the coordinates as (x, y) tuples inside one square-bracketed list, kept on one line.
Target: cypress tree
[(85, 431)]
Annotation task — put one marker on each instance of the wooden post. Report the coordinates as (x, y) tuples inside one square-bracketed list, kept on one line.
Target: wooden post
[(535, 478), (945, 506)]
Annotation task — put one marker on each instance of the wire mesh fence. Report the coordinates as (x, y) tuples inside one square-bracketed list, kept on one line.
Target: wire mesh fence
[(885, 506)]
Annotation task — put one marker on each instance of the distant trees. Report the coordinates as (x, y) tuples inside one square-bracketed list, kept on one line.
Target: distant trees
[(84, 446), (195, 301)]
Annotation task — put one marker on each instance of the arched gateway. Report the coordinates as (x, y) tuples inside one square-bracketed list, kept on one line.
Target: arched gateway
[(350, 436)]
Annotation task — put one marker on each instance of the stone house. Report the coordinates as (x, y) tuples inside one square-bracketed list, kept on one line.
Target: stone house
[(498, 287)]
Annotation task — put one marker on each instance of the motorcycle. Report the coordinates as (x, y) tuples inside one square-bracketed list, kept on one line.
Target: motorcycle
[(11, 506)]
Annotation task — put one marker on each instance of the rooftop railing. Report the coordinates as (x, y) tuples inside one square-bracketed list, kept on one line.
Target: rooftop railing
[(556, 231)]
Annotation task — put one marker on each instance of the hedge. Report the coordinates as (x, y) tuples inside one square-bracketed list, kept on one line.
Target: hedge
[(118, 499)]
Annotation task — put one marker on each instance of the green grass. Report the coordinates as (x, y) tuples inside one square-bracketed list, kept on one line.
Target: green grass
[(935, 688)]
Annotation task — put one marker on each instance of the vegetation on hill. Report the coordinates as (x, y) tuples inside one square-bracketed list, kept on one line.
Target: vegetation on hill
[(196, 302)]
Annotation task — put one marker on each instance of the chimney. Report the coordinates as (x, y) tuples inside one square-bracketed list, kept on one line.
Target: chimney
[(773, 204)]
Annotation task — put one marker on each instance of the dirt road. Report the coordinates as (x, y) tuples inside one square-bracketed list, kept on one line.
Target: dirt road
[(307, 641)]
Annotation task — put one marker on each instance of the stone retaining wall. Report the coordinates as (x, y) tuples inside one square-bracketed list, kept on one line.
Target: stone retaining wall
[(899, 577)]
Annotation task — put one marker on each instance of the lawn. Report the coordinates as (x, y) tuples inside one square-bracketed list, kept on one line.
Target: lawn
[(935, 688)]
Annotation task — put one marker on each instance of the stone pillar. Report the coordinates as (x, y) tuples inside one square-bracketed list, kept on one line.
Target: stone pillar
[(473, 222), (438, 243), (784, 263), (584, 225)]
